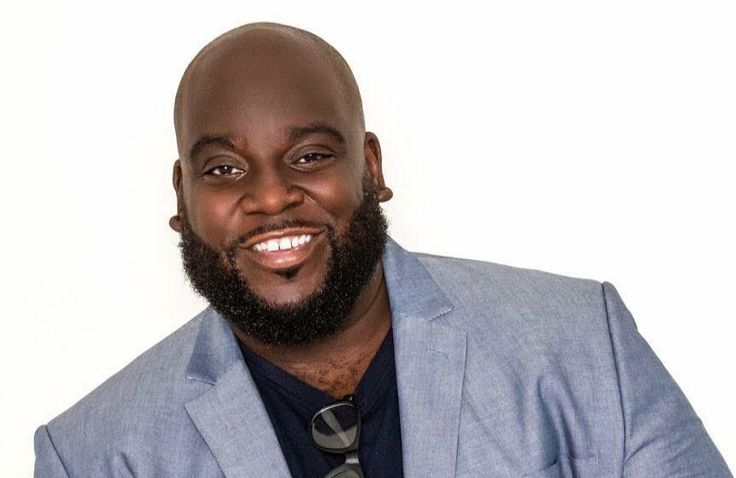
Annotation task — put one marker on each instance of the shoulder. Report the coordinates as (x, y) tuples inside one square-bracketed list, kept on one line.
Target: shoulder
[(146, 395), (468, 282), (522, 313)]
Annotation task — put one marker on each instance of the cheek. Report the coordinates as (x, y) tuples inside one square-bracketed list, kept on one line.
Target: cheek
[(339, 193), (338, 203), (212, 216)]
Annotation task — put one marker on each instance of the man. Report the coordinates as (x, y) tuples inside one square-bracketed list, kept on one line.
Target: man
[(329, 350)]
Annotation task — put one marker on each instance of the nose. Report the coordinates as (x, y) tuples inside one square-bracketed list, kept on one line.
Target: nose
[(269, 192)]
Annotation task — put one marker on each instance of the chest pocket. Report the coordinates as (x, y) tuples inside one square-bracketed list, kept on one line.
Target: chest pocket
[(568, 467)]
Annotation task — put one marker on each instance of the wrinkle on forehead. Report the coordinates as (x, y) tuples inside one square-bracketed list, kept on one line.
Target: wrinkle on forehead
[(269, 45)]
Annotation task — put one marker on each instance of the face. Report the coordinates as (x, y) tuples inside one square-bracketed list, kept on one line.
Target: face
[(272, 163)]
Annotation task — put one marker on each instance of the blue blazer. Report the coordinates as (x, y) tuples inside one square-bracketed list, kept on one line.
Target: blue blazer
[(501, 372)]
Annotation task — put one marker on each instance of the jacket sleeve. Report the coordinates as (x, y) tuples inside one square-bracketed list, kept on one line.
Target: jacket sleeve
[(48, 463), (663, 435)]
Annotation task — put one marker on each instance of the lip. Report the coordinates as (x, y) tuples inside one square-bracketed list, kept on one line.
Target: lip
[(288, 258)]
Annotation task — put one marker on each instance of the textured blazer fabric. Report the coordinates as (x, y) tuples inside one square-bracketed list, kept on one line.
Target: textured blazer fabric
[(501, 372)]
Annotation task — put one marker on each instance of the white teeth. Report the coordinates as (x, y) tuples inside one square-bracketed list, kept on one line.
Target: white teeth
[(282, 244)]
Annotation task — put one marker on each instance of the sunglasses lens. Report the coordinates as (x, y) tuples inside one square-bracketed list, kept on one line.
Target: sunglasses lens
[(336, 428)]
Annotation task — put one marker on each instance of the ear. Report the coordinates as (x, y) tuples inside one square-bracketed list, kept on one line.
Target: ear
[(372, 153), (175, 221)]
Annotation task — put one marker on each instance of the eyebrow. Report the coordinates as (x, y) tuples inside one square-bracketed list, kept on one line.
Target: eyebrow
[(297, 133), (223, 141)]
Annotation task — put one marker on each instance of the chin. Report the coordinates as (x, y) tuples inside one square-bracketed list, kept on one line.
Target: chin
[(286, 291), (289, 286)]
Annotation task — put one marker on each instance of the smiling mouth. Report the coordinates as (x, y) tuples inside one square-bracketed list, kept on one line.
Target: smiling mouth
[(285, 249), (282, 244)]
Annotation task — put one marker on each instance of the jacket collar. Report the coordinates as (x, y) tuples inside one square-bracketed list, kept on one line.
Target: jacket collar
[(430, 363), (215, 349), (413, 293)]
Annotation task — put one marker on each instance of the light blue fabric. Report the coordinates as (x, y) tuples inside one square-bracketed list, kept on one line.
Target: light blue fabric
[(502, 372)]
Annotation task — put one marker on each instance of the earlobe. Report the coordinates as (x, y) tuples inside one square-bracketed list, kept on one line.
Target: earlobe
[(175, 223), (372, 153), (384, 194)]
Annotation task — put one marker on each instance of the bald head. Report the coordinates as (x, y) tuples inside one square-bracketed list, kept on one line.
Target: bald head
[(264, 48)]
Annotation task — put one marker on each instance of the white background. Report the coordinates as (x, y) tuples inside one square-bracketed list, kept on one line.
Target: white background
[(592, 139)]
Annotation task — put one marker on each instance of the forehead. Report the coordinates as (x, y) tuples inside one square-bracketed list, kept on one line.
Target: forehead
[(261, 87)]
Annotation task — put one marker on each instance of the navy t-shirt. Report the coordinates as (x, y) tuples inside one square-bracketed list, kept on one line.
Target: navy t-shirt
[(291, 403)]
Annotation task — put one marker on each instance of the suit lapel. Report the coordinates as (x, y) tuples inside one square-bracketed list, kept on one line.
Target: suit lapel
[(230, 415), (430, 365)]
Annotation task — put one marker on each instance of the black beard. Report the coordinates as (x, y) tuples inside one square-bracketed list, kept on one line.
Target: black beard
[(214, 275)]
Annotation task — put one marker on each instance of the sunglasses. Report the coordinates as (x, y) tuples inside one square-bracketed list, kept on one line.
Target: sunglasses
[(336, 429)]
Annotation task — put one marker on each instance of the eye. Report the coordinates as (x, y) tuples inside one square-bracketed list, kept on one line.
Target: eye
[(224, 170), (312, 158)]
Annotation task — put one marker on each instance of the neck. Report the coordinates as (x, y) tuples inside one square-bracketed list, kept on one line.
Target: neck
[(336, 364)]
